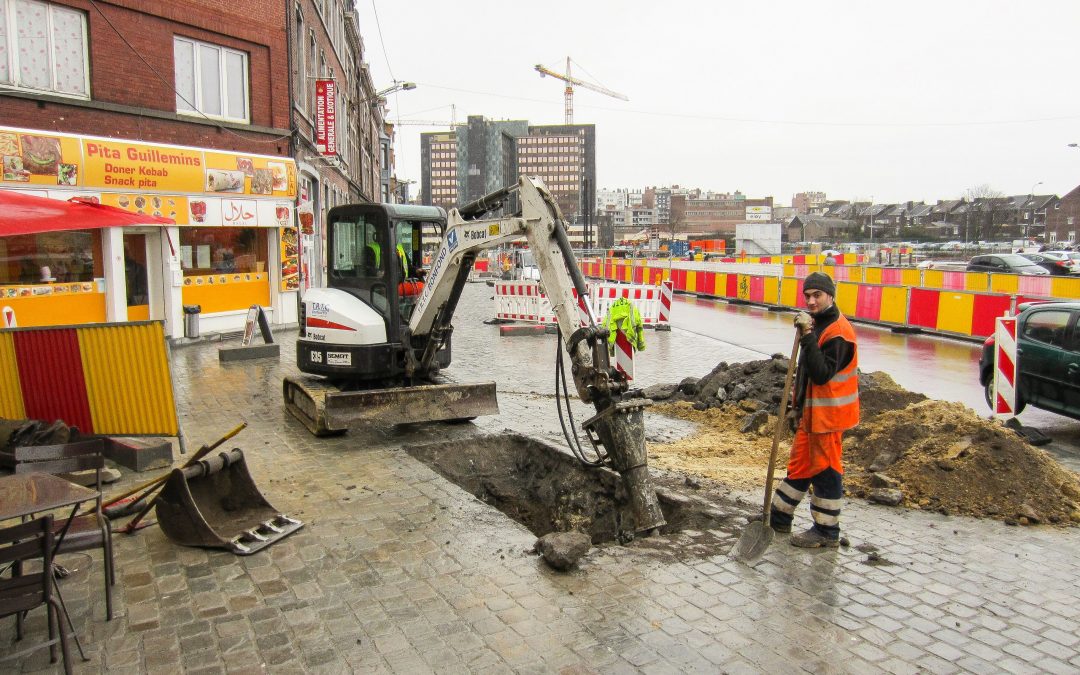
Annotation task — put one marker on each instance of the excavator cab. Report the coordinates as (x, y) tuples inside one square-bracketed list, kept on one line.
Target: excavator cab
[(374, 255)]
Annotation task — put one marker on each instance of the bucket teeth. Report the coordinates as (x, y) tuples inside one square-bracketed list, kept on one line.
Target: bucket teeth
[(252, 535), (284, 521), (268, 527), (238, 546)]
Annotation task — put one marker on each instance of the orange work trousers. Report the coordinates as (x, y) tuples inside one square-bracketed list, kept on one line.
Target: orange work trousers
[(813, 453)]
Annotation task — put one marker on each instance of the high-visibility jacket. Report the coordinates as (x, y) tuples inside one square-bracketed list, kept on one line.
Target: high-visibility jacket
[(377, 250), (404, 261), (834, 406), (624, 315)]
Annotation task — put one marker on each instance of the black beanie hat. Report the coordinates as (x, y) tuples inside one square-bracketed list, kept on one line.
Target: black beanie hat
[(821, 282)]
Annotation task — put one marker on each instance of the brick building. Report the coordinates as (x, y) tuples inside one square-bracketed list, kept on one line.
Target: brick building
[(1063, 219), (714, 213), (178, 109)]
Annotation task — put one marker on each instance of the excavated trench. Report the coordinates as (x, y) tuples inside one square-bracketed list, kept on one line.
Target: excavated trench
[(547, 490)]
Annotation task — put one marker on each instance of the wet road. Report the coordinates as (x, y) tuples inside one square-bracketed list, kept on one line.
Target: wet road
[(941, 368)]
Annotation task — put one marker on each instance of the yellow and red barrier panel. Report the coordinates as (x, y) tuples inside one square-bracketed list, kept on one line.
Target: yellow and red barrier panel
[(102, 378)]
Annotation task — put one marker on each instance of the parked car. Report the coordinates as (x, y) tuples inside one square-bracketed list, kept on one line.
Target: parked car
[(1005, 263), (1048, 359), (1054, 262)]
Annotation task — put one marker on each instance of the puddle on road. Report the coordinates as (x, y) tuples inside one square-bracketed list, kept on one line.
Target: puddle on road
[(548, 490)]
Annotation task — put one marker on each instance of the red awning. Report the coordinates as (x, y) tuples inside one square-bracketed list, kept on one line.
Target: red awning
[(27, 214)]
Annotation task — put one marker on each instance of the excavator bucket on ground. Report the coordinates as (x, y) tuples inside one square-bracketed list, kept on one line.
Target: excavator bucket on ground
[(214, 503), (325, 410)]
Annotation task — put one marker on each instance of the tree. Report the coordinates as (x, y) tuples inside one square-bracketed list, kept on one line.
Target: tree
[(981, 214)]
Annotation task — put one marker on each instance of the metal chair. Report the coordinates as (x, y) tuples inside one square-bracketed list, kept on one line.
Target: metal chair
[(21, 543), (90, 529)]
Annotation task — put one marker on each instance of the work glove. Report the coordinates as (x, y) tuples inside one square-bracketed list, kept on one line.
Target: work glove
[(792, 419), (804, 322)]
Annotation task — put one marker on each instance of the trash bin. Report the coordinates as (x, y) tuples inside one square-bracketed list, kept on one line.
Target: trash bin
[(191, 320)]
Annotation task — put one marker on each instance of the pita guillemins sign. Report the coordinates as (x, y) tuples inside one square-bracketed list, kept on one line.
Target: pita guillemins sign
[(326, 116)]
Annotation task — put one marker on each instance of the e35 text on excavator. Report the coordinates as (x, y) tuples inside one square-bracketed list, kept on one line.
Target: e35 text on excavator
[(379, 334)]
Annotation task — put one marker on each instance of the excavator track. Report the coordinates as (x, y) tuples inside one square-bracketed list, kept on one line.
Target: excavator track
[(326, 410)]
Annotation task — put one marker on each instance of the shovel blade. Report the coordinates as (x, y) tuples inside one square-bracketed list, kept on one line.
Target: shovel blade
[(753, 542)]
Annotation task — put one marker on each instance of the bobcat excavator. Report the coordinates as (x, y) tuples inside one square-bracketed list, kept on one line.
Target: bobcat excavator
[(379, 336)]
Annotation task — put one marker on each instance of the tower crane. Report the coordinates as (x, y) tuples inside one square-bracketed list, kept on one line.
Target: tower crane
[(434, 123), (569, 92)]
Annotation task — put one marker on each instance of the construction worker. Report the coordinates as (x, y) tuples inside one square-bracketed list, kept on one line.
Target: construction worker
[(624, 315), (826, 403)]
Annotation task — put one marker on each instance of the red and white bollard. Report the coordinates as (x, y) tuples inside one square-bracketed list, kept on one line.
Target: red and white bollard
[(1005, 368), (667, 290), (624, 355)]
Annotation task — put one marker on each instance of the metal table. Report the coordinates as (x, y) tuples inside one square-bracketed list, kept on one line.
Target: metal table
[(24, 494)]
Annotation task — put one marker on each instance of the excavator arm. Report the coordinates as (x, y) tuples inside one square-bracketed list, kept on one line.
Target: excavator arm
[(617, 430)]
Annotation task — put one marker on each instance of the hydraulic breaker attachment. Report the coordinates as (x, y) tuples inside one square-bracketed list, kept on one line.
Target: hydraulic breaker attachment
[(214, 503), (619, 432), (325, 410)]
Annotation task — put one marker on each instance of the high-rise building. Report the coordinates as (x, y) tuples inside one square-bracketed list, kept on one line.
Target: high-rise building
[(564, 157), (438, 169)]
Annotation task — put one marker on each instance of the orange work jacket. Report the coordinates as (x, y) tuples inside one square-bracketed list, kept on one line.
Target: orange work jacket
[(834, 406)]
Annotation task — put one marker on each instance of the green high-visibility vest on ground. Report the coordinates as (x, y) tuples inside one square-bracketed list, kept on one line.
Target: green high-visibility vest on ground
[(624, 315)]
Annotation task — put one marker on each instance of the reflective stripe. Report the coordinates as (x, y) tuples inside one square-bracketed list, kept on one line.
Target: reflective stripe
[(832, 402), (828, 504), (778, 504), (844, 377), (789, 491), (824, 518)]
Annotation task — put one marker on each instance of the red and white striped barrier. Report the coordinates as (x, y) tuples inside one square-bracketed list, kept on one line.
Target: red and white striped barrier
[(645, 298), (624, 355), (667, 291), (524, 301), (1005, 368)]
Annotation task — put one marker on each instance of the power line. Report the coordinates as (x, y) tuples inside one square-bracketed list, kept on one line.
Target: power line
[(382, 42), (751, 120)]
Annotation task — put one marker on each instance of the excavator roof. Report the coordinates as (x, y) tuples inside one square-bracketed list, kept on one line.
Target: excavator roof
[(414, 212)]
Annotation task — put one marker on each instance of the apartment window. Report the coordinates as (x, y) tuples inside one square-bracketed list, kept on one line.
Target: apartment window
[(301, 83), (43, 48), (210, 80)]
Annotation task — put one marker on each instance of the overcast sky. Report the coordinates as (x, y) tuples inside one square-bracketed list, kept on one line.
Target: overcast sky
[(913, 100)]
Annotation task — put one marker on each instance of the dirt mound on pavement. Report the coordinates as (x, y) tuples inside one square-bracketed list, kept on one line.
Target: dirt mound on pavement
[(943, 457), (925, 454)]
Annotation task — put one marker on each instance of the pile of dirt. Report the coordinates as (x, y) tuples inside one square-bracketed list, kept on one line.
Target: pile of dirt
[(943, 457), (907, 450)]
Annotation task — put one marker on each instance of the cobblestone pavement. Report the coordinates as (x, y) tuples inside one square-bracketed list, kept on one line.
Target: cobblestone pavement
[(399, 570)]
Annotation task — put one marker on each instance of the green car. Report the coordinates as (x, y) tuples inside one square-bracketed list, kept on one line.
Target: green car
[(1048, 358)]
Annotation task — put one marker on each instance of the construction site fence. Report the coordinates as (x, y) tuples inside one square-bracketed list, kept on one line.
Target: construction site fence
[(952, 303), (110, 378), (525, 301)]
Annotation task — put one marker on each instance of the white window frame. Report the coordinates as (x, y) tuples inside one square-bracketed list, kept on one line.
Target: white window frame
[(222, 79), (8, 8)]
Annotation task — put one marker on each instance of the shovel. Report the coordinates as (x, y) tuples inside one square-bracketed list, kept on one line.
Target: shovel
[(757, 536)]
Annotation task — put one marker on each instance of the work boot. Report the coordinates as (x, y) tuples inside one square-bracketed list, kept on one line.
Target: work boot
[(812, 538)]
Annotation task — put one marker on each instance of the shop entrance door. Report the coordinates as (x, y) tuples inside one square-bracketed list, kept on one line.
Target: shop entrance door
[(142, 275)]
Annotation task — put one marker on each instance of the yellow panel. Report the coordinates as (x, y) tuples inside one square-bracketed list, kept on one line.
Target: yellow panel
[(1065, 287), (872, 275), (720, 284), (230, 296), (628, 273), (138, 313), (128, 384), (1004, 283), (789, 269), (847, 297), (691, 281), (933, 279), (11, 398), (955, 311), (58, 309), (788, 289), (772, 291), (812, 259), (894, 301), (911, 278), (976, 281), (744, 287), (830, 270)]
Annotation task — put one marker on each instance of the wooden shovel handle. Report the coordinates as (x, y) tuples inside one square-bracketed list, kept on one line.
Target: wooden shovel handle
[(780, 415)]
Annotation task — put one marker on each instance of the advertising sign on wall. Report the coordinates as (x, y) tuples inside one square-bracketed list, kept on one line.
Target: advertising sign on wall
[(326, 117), (759, 213)]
